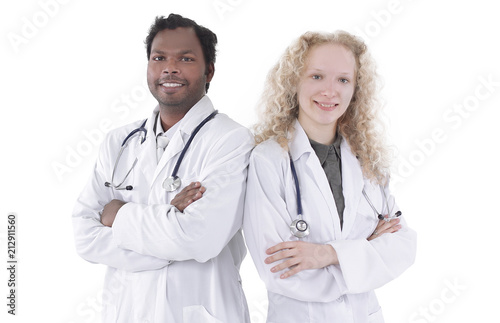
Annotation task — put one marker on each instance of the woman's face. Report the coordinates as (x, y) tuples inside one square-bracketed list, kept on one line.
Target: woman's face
[(325, 87)]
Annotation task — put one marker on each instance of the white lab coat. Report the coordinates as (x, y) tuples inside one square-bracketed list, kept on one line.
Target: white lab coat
[(341, 293), (165, 265)]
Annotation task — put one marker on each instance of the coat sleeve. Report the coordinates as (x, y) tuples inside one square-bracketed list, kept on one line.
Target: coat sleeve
[(266, 223), (94, 241), (367, 265), (205, 227)]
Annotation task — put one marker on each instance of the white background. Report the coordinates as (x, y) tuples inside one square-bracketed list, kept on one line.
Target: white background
[(76, 68)]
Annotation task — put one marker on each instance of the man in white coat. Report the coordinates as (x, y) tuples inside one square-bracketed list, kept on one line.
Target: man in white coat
[(173, 253)]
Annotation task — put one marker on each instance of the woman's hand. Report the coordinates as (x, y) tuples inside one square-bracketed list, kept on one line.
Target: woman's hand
[(384, 226), (300, 255)]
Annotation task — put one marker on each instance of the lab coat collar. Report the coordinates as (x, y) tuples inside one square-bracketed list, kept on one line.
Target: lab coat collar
[(185, 127), (191, 119), (299, 143), (195, 115)]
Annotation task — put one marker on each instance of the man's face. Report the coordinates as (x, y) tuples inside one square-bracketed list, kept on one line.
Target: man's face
[(177, 72)]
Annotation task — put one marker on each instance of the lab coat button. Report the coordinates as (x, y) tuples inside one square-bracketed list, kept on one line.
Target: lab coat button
[(340, 299)]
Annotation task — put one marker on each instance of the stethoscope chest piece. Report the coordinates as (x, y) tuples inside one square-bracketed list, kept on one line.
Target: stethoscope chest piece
[(299, 228), (172, 183)]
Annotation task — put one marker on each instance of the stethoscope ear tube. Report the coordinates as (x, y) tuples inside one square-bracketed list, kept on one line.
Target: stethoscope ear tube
[(133, 132), (124, 143), (380, 216)]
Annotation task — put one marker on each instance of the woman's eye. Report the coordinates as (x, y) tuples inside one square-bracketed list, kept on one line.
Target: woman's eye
[(316, 77), (344, 80)]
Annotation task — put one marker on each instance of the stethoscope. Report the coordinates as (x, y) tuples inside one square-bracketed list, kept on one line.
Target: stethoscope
[(300, 228), (172, 182), (124, 145)]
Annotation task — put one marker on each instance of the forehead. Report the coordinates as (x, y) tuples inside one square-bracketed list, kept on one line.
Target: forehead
[(179, 39), (331, 57)]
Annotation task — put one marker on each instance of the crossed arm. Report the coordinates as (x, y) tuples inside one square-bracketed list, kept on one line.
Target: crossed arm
[(297, 256), (188, 195), (136, 236)]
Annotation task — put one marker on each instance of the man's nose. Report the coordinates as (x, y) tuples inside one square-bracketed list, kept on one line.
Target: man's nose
[(170, 66)]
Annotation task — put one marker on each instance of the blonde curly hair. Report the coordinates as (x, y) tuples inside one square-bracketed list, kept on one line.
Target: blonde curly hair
[(359, 125)]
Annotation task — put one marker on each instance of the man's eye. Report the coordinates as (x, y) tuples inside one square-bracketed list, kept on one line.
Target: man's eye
[(186, 59), (158, 58)]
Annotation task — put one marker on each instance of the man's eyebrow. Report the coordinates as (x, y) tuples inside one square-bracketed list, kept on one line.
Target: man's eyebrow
[(187, 51), (179, 52)]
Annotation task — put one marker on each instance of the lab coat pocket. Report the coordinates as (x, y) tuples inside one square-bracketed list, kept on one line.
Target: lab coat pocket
[(366, 218), (131, 181), (366, 221), (376, 317), (197, 313)]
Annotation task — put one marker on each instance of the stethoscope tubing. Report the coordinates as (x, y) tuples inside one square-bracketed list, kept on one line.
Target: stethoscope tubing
[(133, 132), (297, 188), (143, 129), (296, 232), (193, 134)]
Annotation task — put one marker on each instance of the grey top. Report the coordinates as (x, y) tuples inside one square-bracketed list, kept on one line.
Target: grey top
[(330, 159)]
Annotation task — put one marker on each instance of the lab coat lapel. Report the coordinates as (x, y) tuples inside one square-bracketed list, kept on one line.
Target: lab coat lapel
[(299, 146), (322, 182), (187, 125), (173, 148), (146, 153), (352, 186)]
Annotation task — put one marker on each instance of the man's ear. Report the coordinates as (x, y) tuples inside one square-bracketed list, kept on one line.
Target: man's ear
[(210, 72)]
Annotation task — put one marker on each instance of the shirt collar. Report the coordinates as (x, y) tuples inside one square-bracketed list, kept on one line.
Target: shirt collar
[(161, 132), (300, 144), (192, 118), (322, 150)]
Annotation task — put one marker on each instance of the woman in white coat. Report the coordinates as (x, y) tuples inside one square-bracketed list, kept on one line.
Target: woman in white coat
[(320, 117)]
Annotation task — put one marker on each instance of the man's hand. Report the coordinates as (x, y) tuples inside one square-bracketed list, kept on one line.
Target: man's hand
[(188, 195), (109, 212)]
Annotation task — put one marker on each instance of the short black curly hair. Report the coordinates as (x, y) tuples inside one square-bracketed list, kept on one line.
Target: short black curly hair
[(207, 38)]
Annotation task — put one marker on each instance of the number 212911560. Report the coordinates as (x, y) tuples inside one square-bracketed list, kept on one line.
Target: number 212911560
[(11, 238)]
